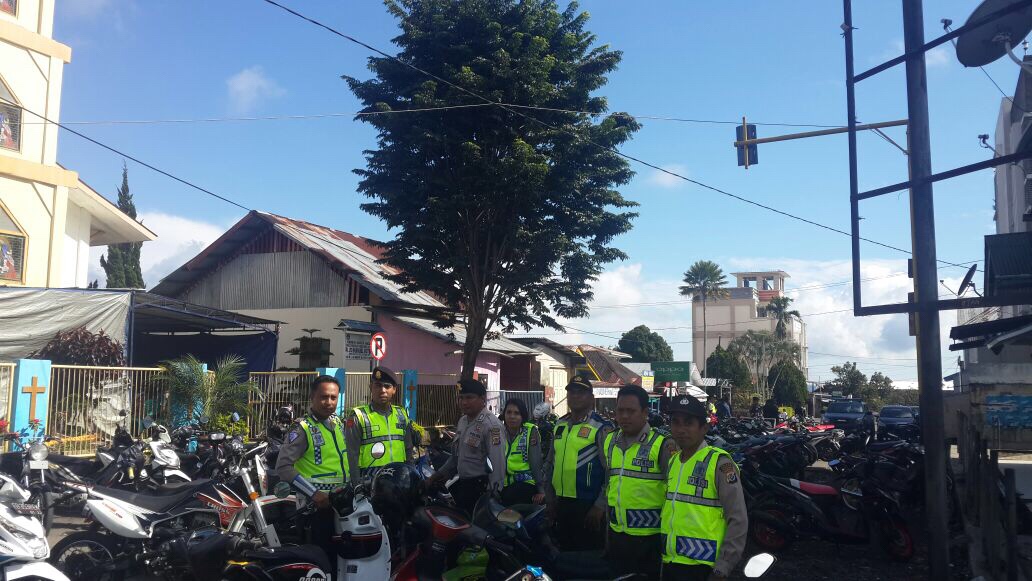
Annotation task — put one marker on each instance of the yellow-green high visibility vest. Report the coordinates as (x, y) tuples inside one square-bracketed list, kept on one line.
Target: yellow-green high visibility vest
[(637, 488), (325, 463), (517, 458), (693, 525), (377, 427), (577, 466)]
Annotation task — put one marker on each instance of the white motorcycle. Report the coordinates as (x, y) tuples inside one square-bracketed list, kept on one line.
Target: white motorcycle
[(23, 543), (164, 461)]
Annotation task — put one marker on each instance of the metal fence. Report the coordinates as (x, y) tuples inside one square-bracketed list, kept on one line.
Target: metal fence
[(6, 389), (86, 403), (531, 398), (277, 389)]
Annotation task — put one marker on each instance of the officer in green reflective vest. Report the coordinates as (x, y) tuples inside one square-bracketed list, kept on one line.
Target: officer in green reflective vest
[(704, 521), (575, 471), (313, 458), (635, 459), (524, 481), (379, 432)]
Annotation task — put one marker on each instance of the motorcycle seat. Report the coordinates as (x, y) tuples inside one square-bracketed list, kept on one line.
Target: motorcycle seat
[(878, 446), (160, 500), (76, 465), (811, 488)]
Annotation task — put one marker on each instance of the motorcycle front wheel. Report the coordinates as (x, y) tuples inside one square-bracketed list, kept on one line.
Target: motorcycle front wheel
[(83, 556), (895, 538)]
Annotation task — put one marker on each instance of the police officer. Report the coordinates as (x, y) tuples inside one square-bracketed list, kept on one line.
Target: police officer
[(575, 473), (479, 438), (635, 459), (704, 521), (379, 422), (314, 458)]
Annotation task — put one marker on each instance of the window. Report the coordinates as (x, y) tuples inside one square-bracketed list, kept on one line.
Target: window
[(896, 412), (846, 407), (10, 118), (768, 283), (9, 6), (12, 248), (749, 282), (761, 312)]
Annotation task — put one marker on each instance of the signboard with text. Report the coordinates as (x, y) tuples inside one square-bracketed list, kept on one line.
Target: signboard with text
[(671, 371)]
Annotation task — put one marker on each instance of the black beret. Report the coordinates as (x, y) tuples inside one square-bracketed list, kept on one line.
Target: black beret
[(384, 375), (579, 381), (687, 405), (471, 386)]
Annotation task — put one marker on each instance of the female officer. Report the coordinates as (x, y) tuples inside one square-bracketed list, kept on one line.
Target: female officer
[(523, 483)]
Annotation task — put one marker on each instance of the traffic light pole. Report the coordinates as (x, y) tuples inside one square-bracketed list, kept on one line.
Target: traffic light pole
[(929, 349)]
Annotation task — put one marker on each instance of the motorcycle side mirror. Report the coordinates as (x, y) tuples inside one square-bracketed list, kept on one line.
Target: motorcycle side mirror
[(378, 450), (281, 490), (147, 422), (235, 417), (758, 565)]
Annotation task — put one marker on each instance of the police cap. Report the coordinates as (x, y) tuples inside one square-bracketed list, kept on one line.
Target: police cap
[(687, 405), (385, 375), (471, 386), (578, 382)]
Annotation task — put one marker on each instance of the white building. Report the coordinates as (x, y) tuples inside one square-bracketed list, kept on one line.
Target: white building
[(49, 218), (744, 309)]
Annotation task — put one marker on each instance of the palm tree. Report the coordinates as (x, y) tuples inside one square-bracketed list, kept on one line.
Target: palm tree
[(778, 309), (704, 280), (761, 350), (194, 391)]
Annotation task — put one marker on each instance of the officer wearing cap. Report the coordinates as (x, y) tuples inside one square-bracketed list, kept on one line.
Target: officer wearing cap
[(479, 453), (575, 473), (379, 433), (704, 521)]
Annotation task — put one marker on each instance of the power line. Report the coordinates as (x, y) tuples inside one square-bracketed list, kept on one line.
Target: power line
[(299, 117), (580, 137)]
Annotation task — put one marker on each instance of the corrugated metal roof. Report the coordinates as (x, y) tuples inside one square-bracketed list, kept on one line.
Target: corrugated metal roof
[(351, 253), (457, 334), (608, 368)]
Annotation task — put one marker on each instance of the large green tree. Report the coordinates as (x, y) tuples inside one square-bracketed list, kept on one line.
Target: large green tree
[(645, 345), (122, 263), (787, 384), (848, 379), (761, 350), (704, 280), (724, 364), (501, 211)]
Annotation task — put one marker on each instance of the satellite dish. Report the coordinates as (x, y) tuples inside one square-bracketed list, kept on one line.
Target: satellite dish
[(967, 280), (985, 44)]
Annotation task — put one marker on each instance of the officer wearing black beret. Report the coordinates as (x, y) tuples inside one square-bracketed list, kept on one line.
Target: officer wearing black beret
[(479, 449), (379, 433)]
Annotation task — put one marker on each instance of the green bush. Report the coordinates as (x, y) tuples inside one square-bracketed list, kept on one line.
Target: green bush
[(224, 423)]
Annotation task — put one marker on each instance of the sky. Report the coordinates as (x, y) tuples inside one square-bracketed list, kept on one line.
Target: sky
[(777, 61)]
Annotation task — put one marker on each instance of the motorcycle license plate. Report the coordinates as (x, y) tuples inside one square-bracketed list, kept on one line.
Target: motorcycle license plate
[(26, 509), (39, 465)]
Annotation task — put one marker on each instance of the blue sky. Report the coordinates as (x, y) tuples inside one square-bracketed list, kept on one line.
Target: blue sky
[(772, 61)]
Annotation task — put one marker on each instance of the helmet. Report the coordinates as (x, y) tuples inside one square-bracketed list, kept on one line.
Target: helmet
[(285, 415), (541, 410), (396, 492)]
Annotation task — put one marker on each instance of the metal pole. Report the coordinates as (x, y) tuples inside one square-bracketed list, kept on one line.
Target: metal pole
[(1011, 522), (929, 351), (836, 131), (854, 188)]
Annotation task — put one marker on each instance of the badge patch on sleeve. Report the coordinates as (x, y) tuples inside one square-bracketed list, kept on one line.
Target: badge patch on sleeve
[(584, 432), (496, 436), (292, 436), (729, 472)]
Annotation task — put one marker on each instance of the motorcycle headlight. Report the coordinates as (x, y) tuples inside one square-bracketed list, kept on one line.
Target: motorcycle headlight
[(38, 545), (38, 451)]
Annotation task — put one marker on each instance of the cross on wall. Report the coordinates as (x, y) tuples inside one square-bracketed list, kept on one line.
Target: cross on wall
[(33, 390)]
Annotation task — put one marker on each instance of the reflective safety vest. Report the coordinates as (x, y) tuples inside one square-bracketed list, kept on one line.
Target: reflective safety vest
[(577, 469), (517, 457), (325, 463), (377, 427), (693, 525), (637, 487)]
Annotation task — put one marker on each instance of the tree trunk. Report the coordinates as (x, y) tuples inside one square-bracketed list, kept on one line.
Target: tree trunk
[(704, 333), (476, 329)]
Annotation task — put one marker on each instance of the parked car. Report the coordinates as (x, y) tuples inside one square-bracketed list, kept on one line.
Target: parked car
[(896, 415), (916, 411), (845, 413)]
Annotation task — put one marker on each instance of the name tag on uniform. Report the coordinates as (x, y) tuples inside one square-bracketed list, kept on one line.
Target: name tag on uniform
[(643, 463), (584, 432), (473, 441), (697, 481)]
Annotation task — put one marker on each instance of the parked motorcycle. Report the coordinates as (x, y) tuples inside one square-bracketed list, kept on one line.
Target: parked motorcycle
[(23, 541)]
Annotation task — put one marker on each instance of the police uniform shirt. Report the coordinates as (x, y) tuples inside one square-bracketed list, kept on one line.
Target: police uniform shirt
[(732, 500), (294, 447), (353, 437), (476, 440), (623, 443)]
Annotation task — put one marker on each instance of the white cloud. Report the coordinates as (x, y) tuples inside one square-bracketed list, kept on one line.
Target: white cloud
[(179, 240), (665, 180), (249, 87)]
